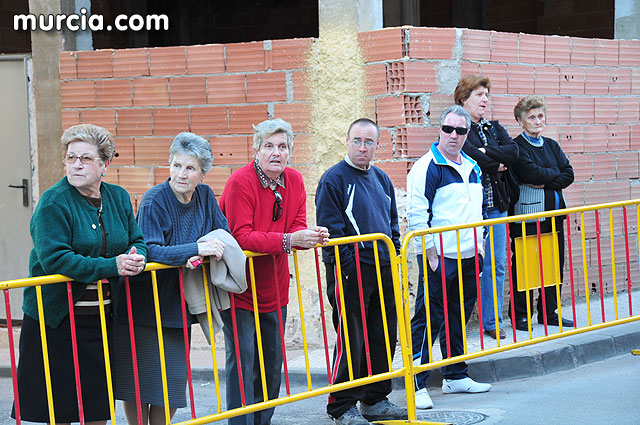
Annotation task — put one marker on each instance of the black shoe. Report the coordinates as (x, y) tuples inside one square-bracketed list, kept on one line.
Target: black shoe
[(553, 321), (521, 324)]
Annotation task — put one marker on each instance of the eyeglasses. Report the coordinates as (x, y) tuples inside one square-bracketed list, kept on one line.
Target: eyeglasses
[(71, 158), (277, 208), (367, 143), (460, 130)]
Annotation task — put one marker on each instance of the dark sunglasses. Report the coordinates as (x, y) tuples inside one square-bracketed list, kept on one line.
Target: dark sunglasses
[(277, 208), (460, 130)]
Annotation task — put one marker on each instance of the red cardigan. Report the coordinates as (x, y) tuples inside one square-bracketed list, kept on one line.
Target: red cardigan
[(249, 209)]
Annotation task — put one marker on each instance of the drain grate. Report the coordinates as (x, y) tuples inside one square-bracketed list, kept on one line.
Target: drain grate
[(455, 417)]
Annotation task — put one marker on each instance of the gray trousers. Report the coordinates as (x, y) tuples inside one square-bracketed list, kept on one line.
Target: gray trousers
[(250, 361)]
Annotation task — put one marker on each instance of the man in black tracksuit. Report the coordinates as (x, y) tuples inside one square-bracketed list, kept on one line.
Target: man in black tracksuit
[(355, 198)]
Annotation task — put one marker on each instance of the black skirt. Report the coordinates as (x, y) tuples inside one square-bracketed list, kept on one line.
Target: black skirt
[(32, 389)]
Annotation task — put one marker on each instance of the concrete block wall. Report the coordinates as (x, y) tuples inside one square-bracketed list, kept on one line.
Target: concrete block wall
[(592, 86)]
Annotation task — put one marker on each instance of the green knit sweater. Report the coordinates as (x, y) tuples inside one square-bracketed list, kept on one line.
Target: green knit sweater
[(67, 240)]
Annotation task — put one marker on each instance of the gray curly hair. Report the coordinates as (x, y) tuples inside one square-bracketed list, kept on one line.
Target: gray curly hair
[(268, 128), (194, 145)]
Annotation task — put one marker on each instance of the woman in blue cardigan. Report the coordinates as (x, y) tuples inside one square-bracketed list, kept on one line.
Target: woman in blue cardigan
[(82, 228)]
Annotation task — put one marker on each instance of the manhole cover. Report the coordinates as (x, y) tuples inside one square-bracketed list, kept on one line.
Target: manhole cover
[(454, 417)]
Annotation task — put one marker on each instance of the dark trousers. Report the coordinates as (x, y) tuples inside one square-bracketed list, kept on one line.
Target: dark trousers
[(520, 298), (250, 360), (341, 401), (421, 344)]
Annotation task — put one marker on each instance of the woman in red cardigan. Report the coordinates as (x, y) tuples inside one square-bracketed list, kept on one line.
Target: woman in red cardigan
[(265, 204)]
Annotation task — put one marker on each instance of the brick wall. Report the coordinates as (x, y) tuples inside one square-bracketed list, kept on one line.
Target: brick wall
[(146, 96)]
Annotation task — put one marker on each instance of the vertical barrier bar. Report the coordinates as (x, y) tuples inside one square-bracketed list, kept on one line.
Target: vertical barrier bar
[(613, 265), (463, 319), (74, 351), (302, 325), (45, 354), (584, 266), (599, 264), (186, 343), (134, 355), (444, 299), (256, 317), (105, 347), (281, 323), (324, 324), (163, 364), (427, 308), (542, 287), (340, 299), (573, 294), (12, 356), (207, 300), (511, 288), (362, 313), (556, 269), (478, 288), (243, 399), (495, 289), (626, 250), (526, 273), (383, 308)]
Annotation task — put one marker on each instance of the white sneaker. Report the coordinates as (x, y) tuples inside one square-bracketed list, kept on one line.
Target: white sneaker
[(465, 385), (423, 401)]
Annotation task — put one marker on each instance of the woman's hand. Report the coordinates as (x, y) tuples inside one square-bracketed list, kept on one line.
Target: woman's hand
[(194, 262), (432, 258), (213, 247), (536, 186), (130, 264), (308, 238), (501, 167)]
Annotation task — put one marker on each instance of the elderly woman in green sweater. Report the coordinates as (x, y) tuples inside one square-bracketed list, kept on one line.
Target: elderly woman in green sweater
[(85, 229)]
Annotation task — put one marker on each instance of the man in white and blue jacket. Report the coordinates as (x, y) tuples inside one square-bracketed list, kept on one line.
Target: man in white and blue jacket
[(444, 188), (355, 198)]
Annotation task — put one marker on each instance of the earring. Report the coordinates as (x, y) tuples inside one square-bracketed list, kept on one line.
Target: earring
[(104, 174)]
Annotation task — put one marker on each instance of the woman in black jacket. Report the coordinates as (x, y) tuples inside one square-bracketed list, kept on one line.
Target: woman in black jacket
[(543, 171), (492, 148)]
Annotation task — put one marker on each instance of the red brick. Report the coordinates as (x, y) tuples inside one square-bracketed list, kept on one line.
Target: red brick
[(504, 47), (582, 110), (113, 93), (384, 44), (547, 80), (291, 53), (205, 59), (594, 138), (571, 80), (187, 91), (582, 167), (68, 69), (303, 149), (103, 117), (557, 50), (242, 118), (296, 114), (77, 94), (431, 43), (152, 151), (618, 137), (111, 175), (606, 52), (497, 73), (469, 68), (606, 110), (634, 137), (552, 132), (415, 141), (571, 138), (619, 81), (300, 88), (124, 151), (397, 172), (268, 59), (150, 91), (628, 109), (476, 45), (160, 174), (596, 81), (224, 89), (134, 122), (385, 149), (170, 121), (437, 105), (245, 57), (230, 150), (520, 79), (168, 60), (70, 117), (583, 51), (94, 64), (131, 63), (502, 108), (266, 87), (376, 76), (618, 191), (206, 121), (627, 165), (531, 48), (635, 81), (136, 180), (629, 53), (604, 167), (558, 110), (390, 111), (574, 195), (216, 178)]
